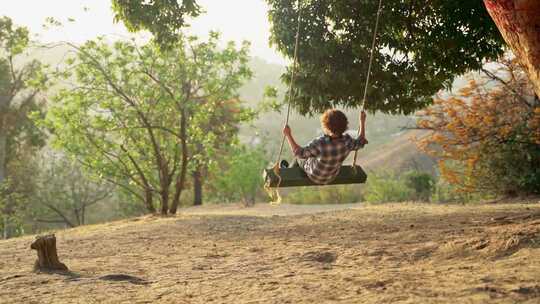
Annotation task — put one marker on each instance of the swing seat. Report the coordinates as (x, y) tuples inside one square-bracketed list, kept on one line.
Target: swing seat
[(296, 177)]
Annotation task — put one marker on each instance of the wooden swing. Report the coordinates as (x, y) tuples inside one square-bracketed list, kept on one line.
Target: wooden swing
[(276, 177)]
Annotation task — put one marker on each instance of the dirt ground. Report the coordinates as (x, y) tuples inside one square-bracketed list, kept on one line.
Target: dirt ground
[(394, 253)]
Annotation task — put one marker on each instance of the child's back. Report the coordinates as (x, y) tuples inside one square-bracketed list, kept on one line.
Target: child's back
[(323, 157)]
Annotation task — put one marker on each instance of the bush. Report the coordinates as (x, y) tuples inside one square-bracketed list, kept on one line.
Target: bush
[(421, 183), (387, 188), (240, 178), (487, 135), (443, 192)]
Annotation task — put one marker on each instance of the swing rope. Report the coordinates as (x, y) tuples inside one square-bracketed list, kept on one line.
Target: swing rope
[(363, 104), (276, 197), (291, 85)]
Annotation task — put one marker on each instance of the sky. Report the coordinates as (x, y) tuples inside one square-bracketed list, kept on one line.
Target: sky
[(237, 20)]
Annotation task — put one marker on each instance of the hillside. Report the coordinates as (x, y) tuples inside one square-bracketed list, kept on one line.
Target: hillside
[(398, 155), (407, 253)]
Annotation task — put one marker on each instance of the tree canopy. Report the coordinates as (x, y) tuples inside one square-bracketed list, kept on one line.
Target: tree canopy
[(162, 18), (421, 47)]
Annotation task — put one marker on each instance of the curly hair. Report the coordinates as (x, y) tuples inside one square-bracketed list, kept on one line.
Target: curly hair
[(334, 122)]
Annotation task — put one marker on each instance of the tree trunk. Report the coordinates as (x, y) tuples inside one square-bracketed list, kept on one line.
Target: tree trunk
[(181, 178), (165, 183), (197, 187), (47, 255), (3, 156), (165, 200), (3, 152), (6, 226), (519, 23), (149, 201), (76, 213), (83, 214)]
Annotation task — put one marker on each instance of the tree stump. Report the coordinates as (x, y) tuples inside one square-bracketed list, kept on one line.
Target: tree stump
[(47, 255)]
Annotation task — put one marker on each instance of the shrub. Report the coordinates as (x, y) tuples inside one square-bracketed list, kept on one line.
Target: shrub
[(421, 183), (387, 188), (240, 178), (487, 135)]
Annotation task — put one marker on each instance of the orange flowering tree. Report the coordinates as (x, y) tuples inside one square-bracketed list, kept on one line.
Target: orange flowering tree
[(487, 134)]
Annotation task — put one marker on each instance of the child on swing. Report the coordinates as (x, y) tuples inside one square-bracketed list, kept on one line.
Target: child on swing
[(321, 159)]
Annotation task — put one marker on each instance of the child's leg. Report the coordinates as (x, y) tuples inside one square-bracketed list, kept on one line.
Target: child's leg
[(299, 163)]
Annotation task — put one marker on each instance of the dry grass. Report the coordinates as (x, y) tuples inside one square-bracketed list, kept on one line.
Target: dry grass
[(404, 253)]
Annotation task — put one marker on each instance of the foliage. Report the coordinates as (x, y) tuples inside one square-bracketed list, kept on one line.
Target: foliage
[(135, 111), (444, 192), (421, 47), (421, 183), (240, 178), (20, 83), (487, 135), (387, 187), (19, 87), (12, 209), (163, 18)]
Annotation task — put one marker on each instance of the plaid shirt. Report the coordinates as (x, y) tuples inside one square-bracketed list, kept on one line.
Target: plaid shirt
[(325, 155)]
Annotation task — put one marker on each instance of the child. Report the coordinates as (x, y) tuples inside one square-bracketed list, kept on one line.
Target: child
[(324, 155)]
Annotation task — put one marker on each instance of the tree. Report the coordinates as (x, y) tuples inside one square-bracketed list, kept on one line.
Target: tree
[(66, 192), (135, 111), (239, 178), (20, 84), (421, 47), (162, 18), (487, 135), (223, 121), (519, 23)]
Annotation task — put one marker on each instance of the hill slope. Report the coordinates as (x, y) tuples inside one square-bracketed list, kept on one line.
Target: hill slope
[(383, 254), (398, 155)]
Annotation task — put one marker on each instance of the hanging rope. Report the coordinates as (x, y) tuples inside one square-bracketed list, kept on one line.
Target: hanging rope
[(362, 106), (291, 84), (276, 197)]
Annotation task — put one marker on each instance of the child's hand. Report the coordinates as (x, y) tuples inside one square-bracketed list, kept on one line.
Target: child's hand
[(363, 116), (363, 140), (287, 130)]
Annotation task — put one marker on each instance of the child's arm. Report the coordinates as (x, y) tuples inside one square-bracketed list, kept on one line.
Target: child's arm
[(363, 125), (292, 143), (361, 141)]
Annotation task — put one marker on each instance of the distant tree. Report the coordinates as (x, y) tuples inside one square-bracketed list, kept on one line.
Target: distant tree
[(223, 120), (64, 193), (421, 47), (20, 83), (135, 111), (239, 179), (487, 135), (162, 18)]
